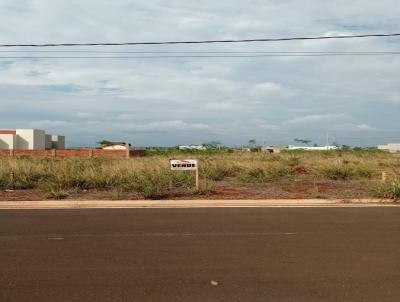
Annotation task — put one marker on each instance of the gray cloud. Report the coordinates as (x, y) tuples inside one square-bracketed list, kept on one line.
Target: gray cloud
[(192, 100)]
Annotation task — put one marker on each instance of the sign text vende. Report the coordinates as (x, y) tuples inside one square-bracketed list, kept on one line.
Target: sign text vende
[(183, 165)]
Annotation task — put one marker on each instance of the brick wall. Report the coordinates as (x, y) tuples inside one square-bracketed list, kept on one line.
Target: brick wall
[(137, 153), (72, 153)]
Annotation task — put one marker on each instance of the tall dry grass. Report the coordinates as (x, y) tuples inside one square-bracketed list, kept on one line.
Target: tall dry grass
[(152, 178)]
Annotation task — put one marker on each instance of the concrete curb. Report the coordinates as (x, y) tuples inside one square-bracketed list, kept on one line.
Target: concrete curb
[(110, 204)]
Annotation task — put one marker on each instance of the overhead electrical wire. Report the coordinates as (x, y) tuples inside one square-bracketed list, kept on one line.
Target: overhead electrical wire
[(205, 41), (200, 52), (194, 55)]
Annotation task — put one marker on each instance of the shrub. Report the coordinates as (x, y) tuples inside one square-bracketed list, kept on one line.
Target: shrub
[(281, 172), (153, 184), (345, 171), (4, 182), (217, 171), (390, 190), (362, 172), (337, 172), (58, 195), (293, 161), (252, 175)]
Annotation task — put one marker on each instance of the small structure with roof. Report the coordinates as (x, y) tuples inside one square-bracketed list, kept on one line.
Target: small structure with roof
[(115, 146)]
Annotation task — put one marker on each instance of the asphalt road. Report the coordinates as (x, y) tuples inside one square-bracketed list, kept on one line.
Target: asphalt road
[(231, 254)]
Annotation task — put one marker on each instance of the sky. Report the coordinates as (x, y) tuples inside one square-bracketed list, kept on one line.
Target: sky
[(186, 100)]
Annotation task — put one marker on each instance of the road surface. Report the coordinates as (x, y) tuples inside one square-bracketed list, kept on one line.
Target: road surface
[(228, 254)]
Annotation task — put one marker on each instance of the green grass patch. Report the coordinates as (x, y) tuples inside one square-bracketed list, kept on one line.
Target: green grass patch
[(390, 190)]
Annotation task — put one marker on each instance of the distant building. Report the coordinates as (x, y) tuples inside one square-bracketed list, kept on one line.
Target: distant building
[(192, 147), (115, 146), (392, 148), (274, 149), (30, 139), (324, 148)]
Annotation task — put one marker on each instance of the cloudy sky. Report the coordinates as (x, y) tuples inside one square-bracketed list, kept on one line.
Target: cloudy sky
[(169, 101)]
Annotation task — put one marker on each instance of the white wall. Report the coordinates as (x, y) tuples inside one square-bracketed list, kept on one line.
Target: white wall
[(390, 147), (394, 147), (31, 139), (115, 147), (7, 141)]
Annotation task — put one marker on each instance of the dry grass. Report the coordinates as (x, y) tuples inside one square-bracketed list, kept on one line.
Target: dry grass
[(151, 176)]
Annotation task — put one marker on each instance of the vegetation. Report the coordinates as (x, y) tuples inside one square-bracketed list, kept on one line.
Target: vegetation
[(104, 143), (390, 189), (303, 141), (151, 177)]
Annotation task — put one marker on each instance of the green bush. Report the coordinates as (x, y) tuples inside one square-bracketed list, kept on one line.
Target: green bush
[(293, 161), (252, 175), (390, 190), (346, 171), (337, 172), (152, 186), (217, 171), (362, 172), (4, 182), (58, 195)]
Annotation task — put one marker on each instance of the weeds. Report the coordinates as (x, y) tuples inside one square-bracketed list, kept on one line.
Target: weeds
[(58, 195), (345, 171), (337, 172), (390, 190), (252, 175), (151, 177)]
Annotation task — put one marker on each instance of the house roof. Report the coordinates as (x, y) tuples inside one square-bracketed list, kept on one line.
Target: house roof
[(8, 132), (118, 143)]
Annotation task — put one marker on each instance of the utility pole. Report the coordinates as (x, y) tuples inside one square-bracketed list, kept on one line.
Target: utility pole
[(327, 140)]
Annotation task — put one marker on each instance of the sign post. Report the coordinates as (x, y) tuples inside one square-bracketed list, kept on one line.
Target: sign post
[(186, 165)]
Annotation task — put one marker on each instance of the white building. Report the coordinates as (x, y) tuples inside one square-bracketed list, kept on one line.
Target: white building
[(29, 139), (116, 146), (392, 148), (324, 148), (192, 147), (274, 149)]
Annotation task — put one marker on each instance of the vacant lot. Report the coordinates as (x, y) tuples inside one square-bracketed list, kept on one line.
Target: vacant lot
[(328, 174)]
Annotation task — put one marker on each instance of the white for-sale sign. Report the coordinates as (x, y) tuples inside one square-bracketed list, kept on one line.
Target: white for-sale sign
[(186, 165), (183, 165)]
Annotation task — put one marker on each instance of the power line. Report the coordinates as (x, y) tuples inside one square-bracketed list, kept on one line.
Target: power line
[(204, 41), (200, 52), (338, 137), (192, 56)]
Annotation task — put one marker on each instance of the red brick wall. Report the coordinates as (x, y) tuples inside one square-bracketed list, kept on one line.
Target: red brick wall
[(72, 153), (109, 153), (4, 153), (137, 153)]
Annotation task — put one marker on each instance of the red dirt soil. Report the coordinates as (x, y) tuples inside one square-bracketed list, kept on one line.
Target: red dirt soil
[(226, 189)]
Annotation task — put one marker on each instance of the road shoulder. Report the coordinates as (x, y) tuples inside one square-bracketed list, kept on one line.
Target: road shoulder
[(92, 204)]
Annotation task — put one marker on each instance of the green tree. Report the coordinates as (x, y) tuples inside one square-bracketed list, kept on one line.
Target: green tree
[(104, 143), (303, 141), (213, 145), (252, 143)]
